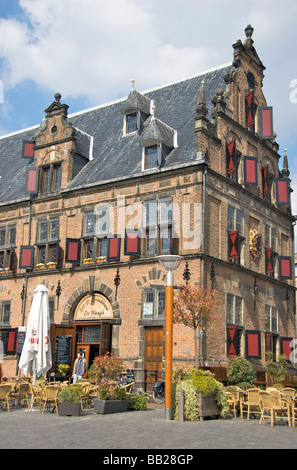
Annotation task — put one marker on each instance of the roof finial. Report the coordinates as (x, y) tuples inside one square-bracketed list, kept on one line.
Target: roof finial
[(58, 96), (285, 171), (249, 32), (133, 81)]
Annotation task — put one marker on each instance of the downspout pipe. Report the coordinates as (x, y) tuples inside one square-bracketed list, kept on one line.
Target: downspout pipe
[(26, 275)]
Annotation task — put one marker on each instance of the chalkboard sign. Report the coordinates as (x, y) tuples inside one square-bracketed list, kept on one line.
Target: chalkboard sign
[(21, 340), (63, 350)]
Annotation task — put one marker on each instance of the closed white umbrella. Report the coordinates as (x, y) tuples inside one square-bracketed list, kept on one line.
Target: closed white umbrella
[(36, 357)]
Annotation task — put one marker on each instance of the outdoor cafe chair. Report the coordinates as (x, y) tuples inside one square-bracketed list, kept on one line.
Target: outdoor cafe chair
[(234, 398), (5, 396), (34, 396), (49, 397), (288, 391), (250, 402), (273, 407), (21, 392)]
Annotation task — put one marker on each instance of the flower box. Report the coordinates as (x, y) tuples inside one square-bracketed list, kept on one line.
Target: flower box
[(51, 265), (40, 266), (101, 259), (88, 261), (69, 409), (110, 406), (207, 406)]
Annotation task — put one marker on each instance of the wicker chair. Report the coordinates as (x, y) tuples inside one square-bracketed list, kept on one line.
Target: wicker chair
[(233, 398), (22, 392), (35, 396), (49, 397), (273, 407), (250, 402), (5, 396), (288, 391)]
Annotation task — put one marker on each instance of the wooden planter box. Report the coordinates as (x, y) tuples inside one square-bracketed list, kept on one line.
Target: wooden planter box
[(110, 406), (69, 409), (207, 406)]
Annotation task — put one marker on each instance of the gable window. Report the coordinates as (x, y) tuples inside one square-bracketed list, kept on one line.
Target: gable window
[(158, 226), (5, 313), (95, 232), (235, 230), (7, 247), (47, 241), (270, 249), (271, 329), (234, 320), (50, 178)]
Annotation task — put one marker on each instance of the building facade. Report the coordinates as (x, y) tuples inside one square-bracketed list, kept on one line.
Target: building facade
[(88, 201)]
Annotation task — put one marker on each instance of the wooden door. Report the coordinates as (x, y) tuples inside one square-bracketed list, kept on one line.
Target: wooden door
[(153, 353)]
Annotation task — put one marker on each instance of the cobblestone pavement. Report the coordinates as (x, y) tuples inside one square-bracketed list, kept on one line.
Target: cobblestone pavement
[(20, 429)]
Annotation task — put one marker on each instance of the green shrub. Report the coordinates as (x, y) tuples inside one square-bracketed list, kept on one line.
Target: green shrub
[(220, 398), (277, 369), (121, 394), (71, 394), (137, 402), (182, 374), (240, 370), (204, 382), (191, 408)]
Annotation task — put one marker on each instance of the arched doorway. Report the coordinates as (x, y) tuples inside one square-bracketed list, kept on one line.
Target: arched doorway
[(92, 322)]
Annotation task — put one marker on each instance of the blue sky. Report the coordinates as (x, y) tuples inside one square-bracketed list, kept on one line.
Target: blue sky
[(88, 50)]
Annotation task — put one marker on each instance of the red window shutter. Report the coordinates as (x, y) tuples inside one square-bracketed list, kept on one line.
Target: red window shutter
[(72, 250), (113, 248), (285, 267), (285, 346), (132, 243), (266, 122), (231, 340), (282, 191), (233, 245), (231, 156), (265, 179), (12, 341), (249, 100), (26, 257), (250, 170), (32, 180), (268, 260), (28, 151), (253, 344), (268, 342)]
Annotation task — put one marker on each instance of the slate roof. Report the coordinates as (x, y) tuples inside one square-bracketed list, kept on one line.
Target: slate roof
[(112, 156)]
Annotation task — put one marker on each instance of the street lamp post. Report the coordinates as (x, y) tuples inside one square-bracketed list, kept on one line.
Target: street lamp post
[(170, 263)]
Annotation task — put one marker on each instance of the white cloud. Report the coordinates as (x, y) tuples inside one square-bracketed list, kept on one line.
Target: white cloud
[(93, 47)]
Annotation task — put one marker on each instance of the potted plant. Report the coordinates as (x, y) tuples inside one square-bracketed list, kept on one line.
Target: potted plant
[(104, 371), (88, 261), (69, 400), (63, 369), (204, 396)]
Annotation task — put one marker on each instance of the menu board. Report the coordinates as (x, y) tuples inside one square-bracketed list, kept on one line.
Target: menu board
[(21, 340), (63, 350)]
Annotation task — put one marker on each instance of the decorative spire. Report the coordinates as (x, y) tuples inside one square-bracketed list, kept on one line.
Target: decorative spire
[(201, 106), (133, 81), (285, 171)]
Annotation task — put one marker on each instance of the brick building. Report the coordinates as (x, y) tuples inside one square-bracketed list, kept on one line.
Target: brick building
[(87, 201)]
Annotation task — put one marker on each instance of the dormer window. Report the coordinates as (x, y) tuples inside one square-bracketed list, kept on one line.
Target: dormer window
[(50, 178), (150, 157), (131, 123)]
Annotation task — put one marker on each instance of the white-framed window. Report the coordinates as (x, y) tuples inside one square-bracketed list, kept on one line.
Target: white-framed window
[(157, 223), (234, 313), (153, 303)]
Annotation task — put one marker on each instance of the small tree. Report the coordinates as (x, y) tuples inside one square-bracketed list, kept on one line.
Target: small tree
[(277, 369), (192, 306), (240, 371), (106, 367)]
